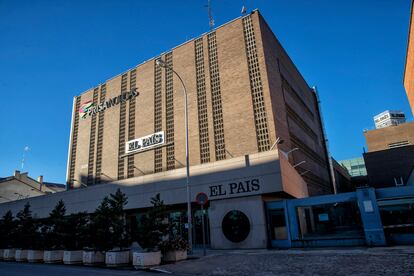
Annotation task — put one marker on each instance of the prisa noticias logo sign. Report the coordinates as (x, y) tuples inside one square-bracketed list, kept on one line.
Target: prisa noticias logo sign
[(89, 108)]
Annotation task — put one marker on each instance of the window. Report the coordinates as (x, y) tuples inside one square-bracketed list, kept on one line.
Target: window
[(256, 87), (236, 226)]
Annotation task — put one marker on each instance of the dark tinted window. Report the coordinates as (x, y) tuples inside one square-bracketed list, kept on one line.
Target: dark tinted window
[(236, 226)]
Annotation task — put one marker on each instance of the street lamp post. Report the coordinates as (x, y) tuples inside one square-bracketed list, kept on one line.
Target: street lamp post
[(162, 64)]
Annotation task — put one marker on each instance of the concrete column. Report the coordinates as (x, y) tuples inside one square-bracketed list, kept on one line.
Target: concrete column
[(371, 219)]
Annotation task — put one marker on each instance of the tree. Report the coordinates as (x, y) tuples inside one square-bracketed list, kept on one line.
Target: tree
[(117, 202), (153, 226), (75, 234), (55, 227), (7, 231), (25, 228), (99, 227), (108, 225), (120, 235)]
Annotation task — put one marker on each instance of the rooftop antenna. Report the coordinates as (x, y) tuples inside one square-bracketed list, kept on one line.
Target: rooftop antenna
[(243, 10), (26, 149), (210, 15)]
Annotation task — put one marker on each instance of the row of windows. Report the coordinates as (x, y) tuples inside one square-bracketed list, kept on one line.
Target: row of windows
[(99, 143), (169, 111), (260, 119), (202, 102), (157, 115), (90, 179), (131, 122), (218, 125), (122, 128)]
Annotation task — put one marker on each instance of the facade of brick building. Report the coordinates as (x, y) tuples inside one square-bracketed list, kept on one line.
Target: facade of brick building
[(389, 160), (390, 137), (255, 135), (244, 92), (409, 63)]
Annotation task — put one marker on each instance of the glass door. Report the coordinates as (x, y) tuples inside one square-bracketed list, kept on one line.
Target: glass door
[(277, 225)]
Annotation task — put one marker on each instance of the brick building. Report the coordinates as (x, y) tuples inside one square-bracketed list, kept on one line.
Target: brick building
[(244, 95), (243, 91), (390, 137), (389, 160), (409, 63)]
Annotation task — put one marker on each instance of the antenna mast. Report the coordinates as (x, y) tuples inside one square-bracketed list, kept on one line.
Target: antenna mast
[(210, 15), (243, 10), (26, 149)]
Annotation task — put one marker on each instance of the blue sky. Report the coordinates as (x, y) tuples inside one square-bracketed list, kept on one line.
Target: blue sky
[(50, 51)]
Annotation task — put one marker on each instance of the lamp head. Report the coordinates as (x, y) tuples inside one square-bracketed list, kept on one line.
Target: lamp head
[(160, 63)]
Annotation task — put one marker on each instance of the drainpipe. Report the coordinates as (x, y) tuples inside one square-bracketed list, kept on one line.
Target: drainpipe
[(325, 139)]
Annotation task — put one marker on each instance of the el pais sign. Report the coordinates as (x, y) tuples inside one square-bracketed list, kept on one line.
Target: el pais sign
[(234, 188), (89, 108), (144, 143)]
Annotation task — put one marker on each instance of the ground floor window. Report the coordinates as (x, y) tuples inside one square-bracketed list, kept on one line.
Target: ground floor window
[(177, 219), (397, 217), (236, 226), (333, 220)]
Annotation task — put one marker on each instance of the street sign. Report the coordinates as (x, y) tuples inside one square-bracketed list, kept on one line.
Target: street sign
[(201, 198)]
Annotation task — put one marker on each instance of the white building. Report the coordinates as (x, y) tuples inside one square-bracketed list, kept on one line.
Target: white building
[(389, 118)]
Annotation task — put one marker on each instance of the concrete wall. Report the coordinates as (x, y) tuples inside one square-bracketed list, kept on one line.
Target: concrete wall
[(206, 178), (253, 208)]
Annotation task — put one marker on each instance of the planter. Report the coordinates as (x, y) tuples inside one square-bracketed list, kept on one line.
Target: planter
[(9, 254), (21, 255), (145, 259), (175, 256), (93, 258), (1, 254), (35, 256), (117, 258), (72, 257), (53, 256)]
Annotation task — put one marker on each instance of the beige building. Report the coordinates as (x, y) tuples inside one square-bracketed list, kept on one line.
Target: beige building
[(244, 95), (20, 186)]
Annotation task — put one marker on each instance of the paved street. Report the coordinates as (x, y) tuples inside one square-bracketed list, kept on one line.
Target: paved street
[(372, 261), (20, 269), (359, 261)]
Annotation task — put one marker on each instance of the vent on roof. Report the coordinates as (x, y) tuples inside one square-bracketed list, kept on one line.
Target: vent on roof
[(399, 144)]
